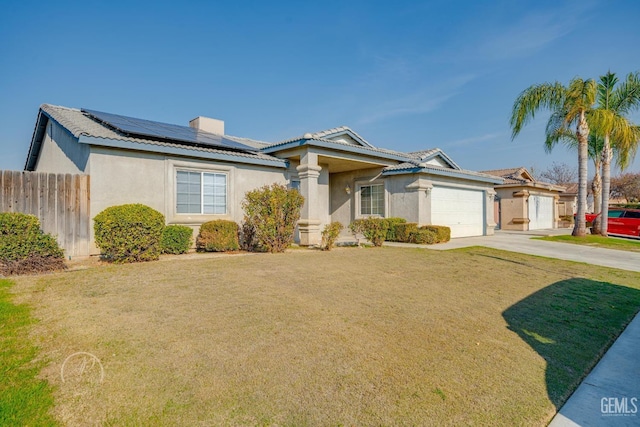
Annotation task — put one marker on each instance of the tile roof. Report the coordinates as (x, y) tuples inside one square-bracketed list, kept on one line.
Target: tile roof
[(79, 124), (515, 176), (427, 167), (510, 175), (311, 137)]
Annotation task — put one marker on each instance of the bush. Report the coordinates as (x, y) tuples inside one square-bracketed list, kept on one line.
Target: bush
[(218, 236), (272, 212), (330, 234), (403, 231), (443, 233), (176, 239), (129, 233), (391, 228), (373, 229), (247, 237), (24, 248), (423, 236)]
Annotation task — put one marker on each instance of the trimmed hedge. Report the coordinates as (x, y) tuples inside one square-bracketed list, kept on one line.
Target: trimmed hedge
[(403, 231), (218, 236), (373, 229), (423, 236), (443, 233), (176, 239), (129, 233), (24, 248), (391, 228), (330, 234)]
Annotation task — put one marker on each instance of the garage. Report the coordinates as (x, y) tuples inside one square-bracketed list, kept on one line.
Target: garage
[(540, 212), (460, 209)]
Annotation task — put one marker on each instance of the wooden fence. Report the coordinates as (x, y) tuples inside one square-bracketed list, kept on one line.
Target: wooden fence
[(61, 201)]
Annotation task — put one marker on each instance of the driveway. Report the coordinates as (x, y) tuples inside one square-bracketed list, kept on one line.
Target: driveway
[(521, 241)]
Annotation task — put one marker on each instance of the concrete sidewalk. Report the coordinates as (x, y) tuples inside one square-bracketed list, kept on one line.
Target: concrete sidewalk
[(610, 394), (522, 242)]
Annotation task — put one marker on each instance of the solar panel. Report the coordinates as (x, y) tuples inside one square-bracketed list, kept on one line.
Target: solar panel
[(166, 132)]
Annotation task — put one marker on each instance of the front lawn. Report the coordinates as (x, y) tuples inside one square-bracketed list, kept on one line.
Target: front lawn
[(24, 398), (375, 336), (622, 244)]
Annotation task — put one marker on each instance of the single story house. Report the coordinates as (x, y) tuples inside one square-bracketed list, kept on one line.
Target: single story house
[(524, 202), (197, 173), (568, 202)]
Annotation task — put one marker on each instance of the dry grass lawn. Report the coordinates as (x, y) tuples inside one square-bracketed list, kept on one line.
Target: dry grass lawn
[(384, 336)]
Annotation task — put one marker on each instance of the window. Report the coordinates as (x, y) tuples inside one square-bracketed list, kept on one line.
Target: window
[(201, 193), (294, 184), (615, 214), (372, 199)]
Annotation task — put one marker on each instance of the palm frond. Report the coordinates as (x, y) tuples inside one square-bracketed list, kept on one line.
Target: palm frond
[(626, 97), (541, 96)]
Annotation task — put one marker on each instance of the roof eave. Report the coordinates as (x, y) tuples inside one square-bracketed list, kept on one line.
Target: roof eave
[(536, 185), (372, 152), (453, 173), (36, 140), (180, 151)]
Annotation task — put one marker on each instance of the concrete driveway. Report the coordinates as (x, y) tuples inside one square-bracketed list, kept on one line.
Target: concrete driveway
[(521, 241)]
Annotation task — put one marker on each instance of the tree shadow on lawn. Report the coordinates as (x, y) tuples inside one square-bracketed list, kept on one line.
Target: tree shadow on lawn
[(571, 324)]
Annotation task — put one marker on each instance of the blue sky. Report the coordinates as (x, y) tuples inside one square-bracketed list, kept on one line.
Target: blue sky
[(405, 75)]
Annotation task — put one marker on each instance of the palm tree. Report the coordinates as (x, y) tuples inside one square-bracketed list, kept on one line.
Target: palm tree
[(595, 153), (569, 107), (609, 120), (556, 133)]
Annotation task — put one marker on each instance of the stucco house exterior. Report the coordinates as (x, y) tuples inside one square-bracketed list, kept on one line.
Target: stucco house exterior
[(204, 175), (525, 203)]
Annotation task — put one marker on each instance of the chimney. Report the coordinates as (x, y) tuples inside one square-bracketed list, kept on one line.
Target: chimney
[(208, 125)]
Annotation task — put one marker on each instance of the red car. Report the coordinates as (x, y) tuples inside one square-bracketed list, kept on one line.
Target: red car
[(622, 221)]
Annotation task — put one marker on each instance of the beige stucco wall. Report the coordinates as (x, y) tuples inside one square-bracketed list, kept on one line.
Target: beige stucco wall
[(342, 205), (407, 195), (514, 214), (120, 177), (61, 153), (514, 209)]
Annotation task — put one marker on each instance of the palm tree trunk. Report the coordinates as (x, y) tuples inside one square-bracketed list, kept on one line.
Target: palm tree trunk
[(596, 189), (606, 185), (582, 134)]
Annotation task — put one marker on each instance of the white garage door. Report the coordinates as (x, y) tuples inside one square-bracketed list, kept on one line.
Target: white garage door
[(462, 210), (540, 212)]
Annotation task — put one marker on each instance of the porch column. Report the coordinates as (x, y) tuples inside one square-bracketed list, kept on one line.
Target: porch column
[(309, 224), (489, 213)]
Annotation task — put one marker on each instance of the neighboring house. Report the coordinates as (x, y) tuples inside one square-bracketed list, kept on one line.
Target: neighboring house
[(196, 174), (526, 204), (568, 202)]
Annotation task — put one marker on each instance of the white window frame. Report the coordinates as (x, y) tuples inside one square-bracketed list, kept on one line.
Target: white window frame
[(385, 205), (202, 173)]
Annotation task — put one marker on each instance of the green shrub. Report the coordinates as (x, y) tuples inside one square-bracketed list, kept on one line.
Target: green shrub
[(218, 236), (373, 229), (24, 248), (176, 239), (391, 228), (423, 236), (403, 231), (129, 233), (272, 212), (330, 235), (443, 233)]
